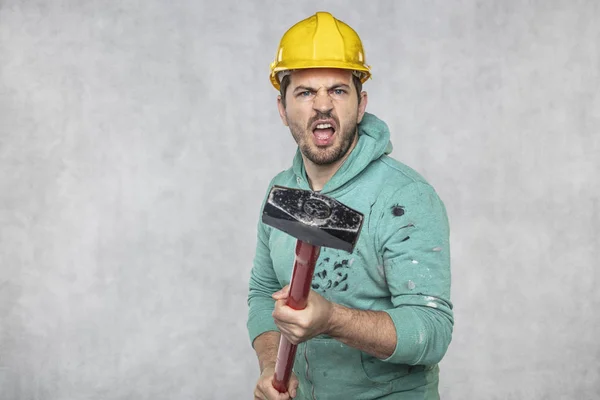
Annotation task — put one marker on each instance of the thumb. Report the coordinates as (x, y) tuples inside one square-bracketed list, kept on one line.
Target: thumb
[(282, 294)]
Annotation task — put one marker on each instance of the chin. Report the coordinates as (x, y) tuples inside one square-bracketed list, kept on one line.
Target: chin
[(323, 158)]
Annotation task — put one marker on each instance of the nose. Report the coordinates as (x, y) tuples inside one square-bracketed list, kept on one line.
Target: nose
[(322, 101)]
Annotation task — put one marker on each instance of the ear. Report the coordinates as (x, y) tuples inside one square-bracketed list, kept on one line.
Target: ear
[(281, 109), (362, 106)]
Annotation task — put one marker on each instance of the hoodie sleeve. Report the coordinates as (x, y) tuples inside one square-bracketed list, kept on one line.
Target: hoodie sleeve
[(263, 283), (413, 235)]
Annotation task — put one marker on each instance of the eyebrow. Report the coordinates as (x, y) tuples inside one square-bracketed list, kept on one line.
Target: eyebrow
[(335, 86)]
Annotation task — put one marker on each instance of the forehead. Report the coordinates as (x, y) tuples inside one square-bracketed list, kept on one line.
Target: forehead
[(320, 76)]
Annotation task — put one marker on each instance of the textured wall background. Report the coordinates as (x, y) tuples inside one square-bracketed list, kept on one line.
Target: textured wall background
[(137, 139)]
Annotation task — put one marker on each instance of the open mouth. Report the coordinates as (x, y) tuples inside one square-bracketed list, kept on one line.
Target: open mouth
[(323, 133)]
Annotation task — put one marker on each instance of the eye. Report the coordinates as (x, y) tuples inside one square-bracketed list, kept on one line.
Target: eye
[(339, 92), (306, 93)]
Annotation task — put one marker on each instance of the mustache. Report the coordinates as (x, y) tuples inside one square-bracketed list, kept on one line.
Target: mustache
[(323, 115)]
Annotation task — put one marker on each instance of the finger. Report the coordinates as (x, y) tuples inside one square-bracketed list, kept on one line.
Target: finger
[(284, 322), (283, 396), (285, 330), (266, 391), (280, 304), (270, 393), (282, 294), (262, 390), (291, 337), (284, 312), (293, 388)]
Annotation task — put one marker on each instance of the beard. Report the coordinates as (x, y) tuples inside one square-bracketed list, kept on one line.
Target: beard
[(323, 155)]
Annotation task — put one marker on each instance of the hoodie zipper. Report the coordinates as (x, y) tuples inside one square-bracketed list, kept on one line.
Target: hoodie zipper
[(307, 373)]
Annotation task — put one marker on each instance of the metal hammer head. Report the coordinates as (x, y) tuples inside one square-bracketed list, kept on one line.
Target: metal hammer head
[(313, 218)]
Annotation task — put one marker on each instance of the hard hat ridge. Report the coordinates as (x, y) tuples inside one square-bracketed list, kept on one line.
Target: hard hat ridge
[(319, 41)]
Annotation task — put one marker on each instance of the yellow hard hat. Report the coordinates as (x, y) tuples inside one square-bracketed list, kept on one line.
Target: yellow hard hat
[(320, 41)]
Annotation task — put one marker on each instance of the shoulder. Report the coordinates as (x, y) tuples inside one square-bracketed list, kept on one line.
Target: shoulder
[(285, 178), (404, 187), (394, 177), (399, 174)]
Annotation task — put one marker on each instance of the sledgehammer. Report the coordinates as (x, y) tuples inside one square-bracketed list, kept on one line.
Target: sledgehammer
[(316, 221)]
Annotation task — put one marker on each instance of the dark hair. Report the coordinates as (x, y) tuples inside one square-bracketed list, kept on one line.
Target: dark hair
[(285, 82)]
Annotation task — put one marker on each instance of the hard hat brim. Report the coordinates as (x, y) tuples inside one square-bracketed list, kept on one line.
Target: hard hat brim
[(310, 64)]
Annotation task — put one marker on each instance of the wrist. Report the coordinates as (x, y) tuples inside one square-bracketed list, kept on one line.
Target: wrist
[(266, 346), (266, 365), (336, 319)]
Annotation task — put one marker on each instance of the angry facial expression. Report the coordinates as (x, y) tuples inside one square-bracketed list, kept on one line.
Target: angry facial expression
[(322, 110)]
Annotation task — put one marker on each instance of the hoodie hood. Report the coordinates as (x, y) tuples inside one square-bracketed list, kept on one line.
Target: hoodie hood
[(373, 142)]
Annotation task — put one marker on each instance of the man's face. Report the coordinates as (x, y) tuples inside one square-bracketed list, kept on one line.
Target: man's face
[(322, 112)]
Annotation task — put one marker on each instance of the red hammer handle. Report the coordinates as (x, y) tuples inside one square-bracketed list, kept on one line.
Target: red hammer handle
[(302, 274)]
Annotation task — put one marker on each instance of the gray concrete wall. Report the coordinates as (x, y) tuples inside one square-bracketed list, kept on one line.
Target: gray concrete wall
[(137, 139)]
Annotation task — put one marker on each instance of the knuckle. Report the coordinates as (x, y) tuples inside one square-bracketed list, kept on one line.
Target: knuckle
[(304, 324), (294, 340)]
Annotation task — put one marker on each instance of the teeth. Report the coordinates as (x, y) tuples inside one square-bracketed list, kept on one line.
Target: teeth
[(323, 126)]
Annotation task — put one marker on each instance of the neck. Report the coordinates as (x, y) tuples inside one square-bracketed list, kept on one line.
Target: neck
[(319, 175)]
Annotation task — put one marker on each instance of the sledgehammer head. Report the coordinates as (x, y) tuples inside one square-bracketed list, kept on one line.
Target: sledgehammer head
[(313, 218)]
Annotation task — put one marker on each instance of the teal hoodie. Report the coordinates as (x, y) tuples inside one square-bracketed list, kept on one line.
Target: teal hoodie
[(400, 265)]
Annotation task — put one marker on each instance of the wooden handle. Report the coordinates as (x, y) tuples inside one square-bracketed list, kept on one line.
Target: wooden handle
[(302, 275)]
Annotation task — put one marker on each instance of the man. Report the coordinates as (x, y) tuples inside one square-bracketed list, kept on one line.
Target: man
[(378, 320)]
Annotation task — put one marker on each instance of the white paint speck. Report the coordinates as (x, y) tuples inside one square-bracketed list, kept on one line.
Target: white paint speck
[(411, 285), (351, 262), (415, 262), (437, 249)]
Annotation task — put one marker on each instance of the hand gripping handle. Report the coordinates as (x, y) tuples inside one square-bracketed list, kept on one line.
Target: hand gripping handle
[(302, 274)]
